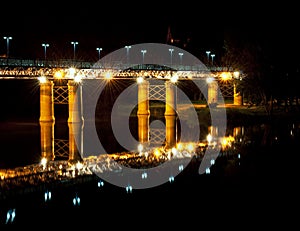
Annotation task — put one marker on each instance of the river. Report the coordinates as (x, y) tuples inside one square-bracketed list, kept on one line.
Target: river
[(258, 180)]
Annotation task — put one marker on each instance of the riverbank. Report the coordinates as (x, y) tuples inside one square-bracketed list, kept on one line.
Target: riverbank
[(241, 114)]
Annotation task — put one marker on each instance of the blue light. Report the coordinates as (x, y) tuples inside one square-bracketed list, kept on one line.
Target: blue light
[(129, 189), (47, 196), (10, 216), (144, 175), (207, 171), (180, 167), (100, 183), (76, 200)]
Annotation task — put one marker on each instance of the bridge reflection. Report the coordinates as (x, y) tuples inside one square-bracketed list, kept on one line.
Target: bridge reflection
[(54, 171)]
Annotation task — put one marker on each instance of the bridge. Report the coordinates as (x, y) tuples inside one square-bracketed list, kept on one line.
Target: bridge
[(225, 77), (61, 83), (157, 77)]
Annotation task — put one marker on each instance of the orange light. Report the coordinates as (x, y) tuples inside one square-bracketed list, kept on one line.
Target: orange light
[(157, 153), (225, 76), (58, 75)]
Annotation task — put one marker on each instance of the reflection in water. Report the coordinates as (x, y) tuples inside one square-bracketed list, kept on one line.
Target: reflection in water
[(47, 139), (241, 151), (144, 157), (239, 154)]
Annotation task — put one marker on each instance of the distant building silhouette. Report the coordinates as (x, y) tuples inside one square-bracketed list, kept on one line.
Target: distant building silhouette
[(170, 39)]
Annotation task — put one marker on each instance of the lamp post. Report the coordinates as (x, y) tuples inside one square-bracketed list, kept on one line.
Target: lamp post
[(208, 52), (143, 52), (99, 49), (212, 58), (127, 53), (180, 56), (7, 45), (171, 54), (45, 45), (74, 47)]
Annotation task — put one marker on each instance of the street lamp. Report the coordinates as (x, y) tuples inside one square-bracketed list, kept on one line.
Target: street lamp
[(143, 52), (171, 53), (212, 58), (7, 45), (99, 49), (45, 45), (208, 52), (180, 55), (74, 46), (127, 53)]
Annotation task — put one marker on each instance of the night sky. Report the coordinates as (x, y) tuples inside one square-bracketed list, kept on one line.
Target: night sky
[(112, 25)]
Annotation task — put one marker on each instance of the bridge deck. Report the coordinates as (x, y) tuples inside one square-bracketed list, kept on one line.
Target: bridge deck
[(32, 69)]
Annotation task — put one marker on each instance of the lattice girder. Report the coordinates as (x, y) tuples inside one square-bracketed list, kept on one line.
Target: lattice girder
[(61, 94), (61, 148)]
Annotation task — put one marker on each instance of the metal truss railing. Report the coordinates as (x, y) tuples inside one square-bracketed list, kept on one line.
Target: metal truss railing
[(157, 92), (157, 136), (15, 68), (226, 89), (61, 94), (61, 149)]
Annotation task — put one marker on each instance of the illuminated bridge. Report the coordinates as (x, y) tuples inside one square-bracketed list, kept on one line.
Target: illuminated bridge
[(225, 77), (60, 83)]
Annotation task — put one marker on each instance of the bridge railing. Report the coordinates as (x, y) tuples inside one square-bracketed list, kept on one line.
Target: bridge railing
[(28, 68), (65, 63), (61, 63)]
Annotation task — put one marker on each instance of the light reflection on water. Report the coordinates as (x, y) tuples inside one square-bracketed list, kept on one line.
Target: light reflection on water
[(253, 147), (27, 137), (20, 142)]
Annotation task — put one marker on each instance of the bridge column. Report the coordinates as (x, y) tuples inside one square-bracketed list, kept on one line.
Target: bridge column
[(237, 97), (75, 121), (143, 112), (238, 132), (170, 114), (213, 131), (47, 120), (212, 94)]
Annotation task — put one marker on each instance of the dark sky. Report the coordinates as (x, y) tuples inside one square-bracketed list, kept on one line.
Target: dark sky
[(112, 25)]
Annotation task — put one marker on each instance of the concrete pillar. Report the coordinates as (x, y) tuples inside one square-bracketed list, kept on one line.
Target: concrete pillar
[(213, 130), (212, 95), (46, 102), (237, 97), (170, 115), (238, 131), (75, 141), (47, 120), (143, 112), (75, 120), (47, 140)]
